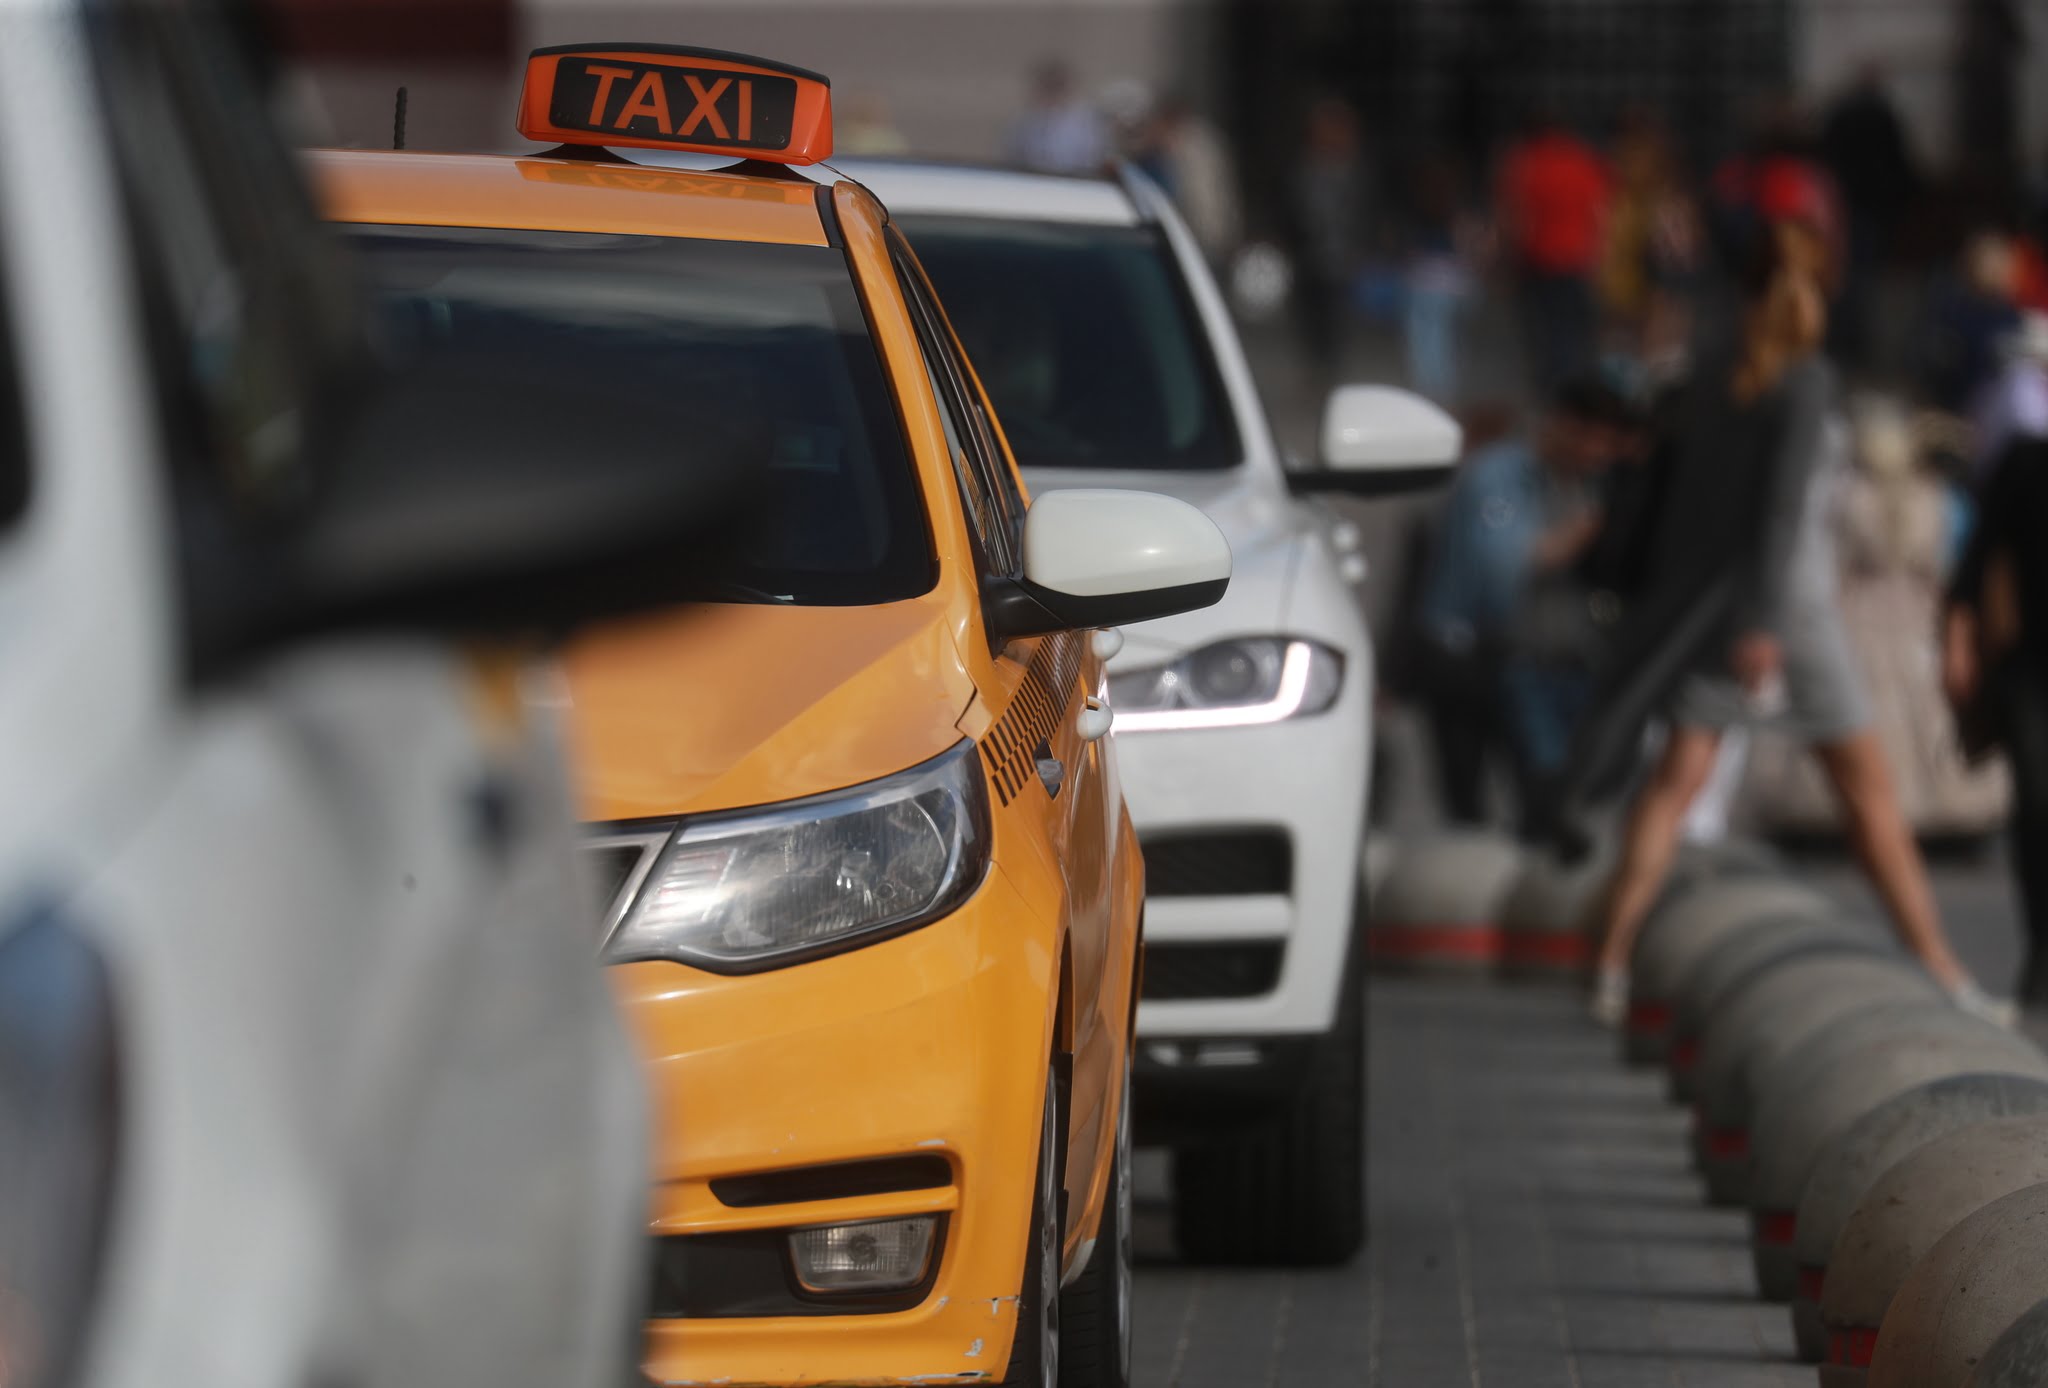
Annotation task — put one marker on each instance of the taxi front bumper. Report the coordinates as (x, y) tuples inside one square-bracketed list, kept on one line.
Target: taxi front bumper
[(783, 1083)]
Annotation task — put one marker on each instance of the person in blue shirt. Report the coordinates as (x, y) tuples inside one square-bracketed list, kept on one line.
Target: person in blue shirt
[(1506, 627)]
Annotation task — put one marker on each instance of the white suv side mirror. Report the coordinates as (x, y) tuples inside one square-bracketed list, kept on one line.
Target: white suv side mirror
[(1095, 557), (1377, 440)]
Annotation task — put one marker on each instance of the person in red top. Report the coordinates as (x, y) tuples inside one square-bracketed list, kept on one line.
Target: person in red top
[(1552, 208)]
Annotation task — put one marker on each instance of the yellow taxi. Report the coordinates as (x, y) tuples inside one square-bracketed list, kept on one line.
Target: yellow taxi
[(866, 874)]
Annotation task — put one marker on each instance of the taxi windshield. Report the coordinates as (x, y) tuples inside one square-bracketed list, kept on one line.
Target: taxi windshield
[(760, 352), (1084, 339)]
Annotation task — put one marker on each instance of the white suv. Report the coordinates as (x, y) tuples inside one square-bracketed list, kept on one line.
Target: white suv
[(1245, 729)]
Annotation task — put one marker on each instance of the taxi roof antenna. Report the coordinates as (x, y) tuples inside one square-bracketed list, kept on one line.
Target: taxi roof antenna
[(398, 122)]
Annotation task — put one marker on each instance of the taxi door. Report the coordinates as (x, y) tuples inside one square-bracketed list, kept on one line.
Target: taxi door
[(1040, 762)]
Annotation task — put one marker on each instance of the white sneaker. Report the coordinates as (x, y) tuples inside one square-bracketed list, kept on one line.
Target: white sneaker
[(1609, 1006), (2000, 1012)]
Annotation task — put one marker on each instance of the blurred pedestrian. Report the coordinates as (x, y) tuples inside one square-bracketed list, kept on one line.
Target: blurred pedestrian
[(1059, 132), (1995, 670), (1188, 157), (1991, 43), (1506, 636), (1551, 211), (1439, 281), (1753, 552), (1652, 251), (1332, 201), (2015, 402), (1969, 317), (1777, 179), (1864, 145)]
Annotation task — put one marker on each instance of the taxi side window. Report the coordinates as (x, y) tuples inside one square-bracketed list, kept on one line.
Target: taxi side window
[(994, 505)]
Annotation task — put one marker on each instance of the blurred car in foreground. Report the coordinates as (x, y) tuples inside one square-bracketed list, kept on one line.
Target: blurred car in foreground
[(289, 1016), (872, 892), (1245, 728)]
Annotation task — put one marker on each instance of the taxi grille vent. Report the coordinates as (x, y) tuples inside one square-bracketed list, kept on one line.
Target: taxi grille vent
[(1024, 733)]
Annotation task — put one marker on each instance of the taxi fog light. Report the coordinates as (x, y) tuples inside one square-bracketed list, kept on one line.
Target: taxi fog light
[(879, 1255), (1229, 684)]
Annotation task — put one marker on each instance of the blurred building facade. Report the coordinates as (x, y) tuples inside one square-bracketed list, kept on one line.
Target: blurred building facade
[(1426, 77), (947, 75)]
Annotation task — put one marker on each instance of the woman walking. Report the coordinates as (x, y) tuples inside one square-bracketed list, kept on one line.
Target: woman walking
[(1756, 444)]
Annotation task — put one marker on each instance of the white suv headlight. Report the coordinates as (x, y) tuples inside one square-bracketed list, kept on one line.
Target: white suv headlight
[(759, 889), (1249, 680)]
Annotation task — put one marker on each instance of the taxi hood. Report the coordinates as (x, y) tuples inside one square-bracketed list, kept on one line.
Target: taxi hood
[(724, 706)]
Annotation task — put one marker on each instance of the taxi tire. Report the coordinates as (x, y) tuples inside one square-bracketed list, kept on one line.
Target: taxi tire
[(1292, 1193), (1031, 1346), (1096, 1312)]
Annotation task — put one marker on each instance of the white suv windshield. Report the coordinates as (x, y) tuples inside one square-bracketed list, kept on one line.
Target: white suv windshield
[(1085, 340)]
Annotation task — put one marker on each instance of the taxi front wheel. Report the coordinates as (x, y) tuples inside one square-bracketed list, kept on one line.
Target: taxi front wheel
[(1035, 1353), (1095, 1313)]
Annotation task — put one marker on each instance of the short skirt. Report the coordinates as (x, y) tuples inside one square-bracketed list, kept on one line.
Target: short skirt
[(1824, 695)]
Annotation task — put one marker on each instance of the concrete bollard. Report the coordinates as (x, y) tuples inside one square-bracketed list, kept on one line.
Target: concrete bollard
[(1905, 1213), (1749, 1037), (1836, 1078), (1982, 1276), (1677, 937), (2019, 1357), (1697, 863), (1871, 1146), (1548, 919), (1744, 958), (1439, 907)]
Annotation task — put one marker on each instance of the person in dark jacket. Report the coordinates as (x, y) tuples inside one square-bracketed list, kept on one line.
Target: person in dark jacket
[(1863, 143), (1995, 668)]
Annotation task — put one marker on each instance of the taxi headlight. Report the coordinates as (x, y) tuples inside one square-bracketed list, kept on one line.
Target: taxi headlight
[(764, 888), (1249, 680)]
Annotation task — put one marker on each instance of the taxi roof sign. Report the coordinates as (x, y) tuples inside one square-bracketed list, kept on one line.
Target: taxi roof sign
[(660, 96)]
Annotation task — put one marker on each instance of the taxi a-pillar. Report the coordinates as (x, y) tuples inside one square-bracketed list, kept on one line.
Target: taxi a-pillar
[(1748, 1039), (1856, 1066), (1871, 1146), (1904, 1214)]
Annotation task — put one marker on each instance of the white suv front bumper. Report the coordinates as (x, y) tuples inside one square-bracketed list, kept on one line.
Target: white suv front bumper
[(1212, 806)]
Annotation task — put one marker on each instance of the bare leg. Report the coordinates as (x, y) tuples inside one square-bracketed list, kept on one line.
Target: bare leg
[(1884, 842), (1651, 840)]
